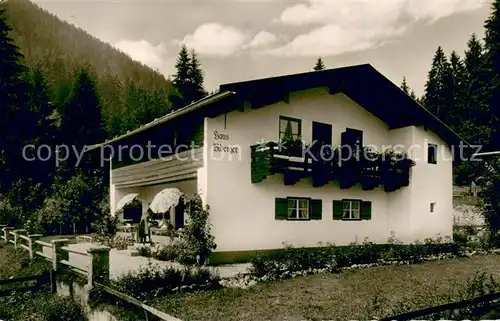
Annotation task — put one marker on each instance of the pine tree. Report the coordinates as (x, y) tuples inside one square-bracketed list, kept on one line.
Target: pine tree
[(81, 121), (38, 116), (413, 95), (404, 86), (492, 46), (182, 79), (12, 98), (476, 117), (197, 78), (456, 92), (437, 86), (319, 65)]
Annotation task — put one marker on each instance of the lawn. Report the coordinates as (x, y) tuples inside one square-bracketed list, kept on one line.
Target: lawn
[(16, 263), (41, 306), (354, 294)]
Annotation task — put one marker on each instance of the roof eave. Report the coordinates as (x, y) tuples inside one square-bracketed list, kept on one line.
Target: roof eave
[(187, 109)]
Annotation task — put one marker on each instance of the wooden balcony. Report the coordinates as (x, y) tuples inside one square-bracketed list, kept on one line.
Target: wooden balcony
[(368, 170)]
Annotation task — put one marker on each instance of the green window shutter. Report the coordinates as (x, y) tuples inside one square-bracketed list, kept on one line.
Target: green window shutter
[(316, 209), (280, 209), (337, 210), (366, 210)]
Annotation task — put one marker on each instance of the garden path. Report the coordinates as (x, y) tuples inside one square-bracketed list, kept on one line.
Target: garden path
[(121, 262)]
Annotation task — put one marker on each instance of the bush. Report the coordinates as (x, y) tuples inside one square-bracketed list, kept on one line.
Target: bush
[(333, 257), (41, 306), (460, 238), (194, 243), (195, 236), (148, 281), (118, 242)]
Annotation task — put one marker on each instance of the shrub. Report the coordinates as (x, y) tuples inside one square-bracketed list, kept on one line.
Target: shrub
[(196, 239), (41, 306), (332, 257), (143, 282), (118, 242), (167, 253), (460, 238)]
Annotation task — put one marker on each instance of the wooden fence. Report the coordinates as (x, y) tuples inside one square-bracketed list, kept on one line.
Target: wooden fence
[(57, 252), (19, 284), (96, 271), (483, 304)]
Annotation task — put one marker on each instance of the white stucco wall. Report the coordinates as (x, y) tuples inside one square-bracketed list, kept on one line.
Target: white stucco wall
[(242, 213), (431, 183)]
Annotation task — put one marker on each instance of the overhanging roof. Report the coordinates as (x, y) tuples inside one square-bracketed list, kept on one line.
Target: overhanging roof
[(362, 83), (185, 110)]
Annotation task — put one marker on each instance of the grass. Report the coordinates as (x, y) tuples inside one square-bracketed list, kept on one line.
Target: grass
[(15, 263), (41, 306), (355, 294)]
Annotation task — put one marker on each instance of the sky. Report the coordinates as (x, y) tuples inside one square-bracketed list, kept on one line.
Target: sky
[(243, 40)]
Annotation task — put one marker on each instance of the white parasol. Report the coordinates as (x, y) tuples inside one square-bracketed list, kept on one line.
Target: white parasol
[(165, 199), (125, 200)]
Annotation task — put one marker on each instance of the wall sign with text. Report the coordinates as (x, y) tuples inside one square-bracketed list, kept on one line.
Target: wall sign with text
[(219, 144)]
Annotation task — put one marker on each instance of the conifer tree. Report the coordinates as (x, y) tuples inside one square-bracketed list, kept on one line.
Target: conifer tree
[(81, 121), (456, 86), (437, 86), (12, 98), (476, 116), (492, 46), (404, 86), (38, 116), (182, 79), (197, 78), (413, 95), (319, 65)]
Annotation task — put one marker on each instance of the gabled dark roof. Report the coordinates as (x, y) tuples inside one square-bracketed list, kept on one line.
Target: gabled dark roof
[(362, 83)]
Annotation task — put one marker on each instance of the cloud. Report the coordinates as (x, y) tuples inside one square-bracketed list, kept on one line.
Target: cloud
[(215, 39), (145, 52), (263, 38), (346, 26)]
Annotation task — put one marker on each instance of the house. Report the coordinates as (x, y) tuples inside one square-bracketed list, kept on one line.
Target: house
[(227, 148)]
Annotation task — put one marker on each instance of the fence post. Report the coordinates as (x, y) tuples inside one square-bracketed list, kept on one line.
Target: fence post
[(57, 253), (16, 236), (6, 234), (32, 245), (98, 269)]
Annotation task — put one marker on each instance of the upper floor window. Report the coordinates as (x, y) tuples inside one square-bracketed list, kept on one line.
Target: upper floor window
[(290, 128), (432, 154)]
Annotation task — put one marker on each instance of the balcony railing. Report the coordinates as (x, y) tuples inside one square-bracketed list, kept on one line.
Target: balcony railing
[(323, 164)]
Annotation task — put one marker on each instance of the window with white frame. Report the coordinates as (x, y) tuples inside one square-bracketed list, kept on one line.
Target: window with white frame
[(351, 210), (298, 208)]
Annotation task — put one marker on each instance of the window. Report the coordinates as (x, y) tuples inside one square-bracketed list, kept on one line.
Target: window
[(433, 207), (289, 126), (351, 210), (298, 208), (432, 154)]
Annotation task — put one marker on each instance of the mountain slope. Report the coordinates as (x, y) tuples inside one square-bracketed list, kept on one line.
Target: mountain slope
[(59, 48)]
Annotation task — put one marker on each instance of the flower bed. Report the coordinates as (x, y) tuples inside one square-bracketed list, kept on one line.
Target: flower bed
[(153, 281), (247, 280)]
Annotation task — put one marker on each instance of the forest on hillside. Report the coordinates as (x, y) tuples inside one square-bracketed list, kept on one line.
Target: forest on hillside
[(131, 93), (59, 86)]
